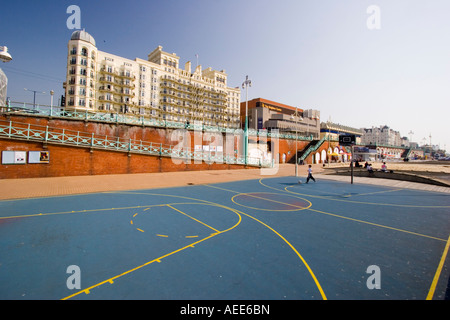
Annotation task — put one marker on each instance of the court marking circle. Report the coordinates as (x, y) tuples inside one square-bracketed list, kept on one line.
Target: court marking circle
[(280, 199), (192, 218)]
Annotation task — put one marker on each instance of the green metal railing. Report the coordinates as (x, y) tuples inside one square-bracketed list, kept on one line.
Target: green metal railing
[(46, 134), (313, 148), (61, 112)]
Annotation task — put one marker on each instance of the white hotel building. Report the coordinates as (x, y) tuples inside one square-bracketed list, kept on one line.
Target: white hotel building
[(155, 88)]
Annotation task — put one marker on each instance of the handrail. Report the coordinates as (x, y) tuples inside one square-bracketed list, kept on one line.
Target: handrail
[(313, 148), (46, 134), (61, 112)]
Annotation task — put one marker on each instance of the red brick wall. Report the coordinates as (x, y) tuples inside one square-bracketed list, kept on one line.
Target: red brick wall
[(73, 161), (70, 160)]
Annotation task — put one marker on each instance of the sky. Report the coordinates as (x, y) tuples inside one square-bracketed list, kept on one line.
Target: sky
[(359, 67)]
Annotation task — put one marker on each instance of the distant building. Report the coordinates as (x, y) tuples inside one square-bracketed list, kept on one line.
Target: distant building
[(382, 135), (155, 88), (266, 114), (334, 130)]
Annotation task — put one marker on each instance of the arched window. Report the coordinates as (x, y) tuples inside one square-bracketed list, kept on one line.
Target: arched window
[(84, 52)]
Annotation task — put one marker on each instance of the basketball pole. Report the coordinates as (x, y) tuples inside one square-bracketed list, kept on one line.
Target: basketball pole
[(351, 168)]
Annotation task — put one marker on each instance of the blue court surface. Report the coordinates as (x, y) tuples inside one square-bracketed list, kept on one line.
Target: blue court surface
[(266, 239)]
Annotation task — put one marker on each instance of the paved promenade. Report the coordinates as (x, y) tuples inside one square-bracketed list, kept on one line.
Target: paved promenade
[(57, 186)]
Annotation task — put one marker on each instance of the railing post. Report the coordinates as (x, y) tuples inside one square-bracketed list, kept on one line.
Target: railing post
[(92, 140), (28, 132), (46, 133), (10, 128)]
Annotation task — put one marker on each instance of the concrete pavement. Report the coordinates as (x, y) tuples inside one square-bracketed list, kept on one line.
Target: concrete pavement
[(59, 186)]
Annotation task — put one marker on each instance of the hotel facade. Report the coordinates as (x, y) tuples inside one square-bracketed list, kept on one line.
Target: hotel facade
[(156, 88)]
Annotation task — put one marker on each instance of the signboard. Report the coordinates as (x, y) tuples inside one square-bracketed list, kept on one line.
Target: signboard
[(38, 157), (347, 139), (14, 157), (20, 157)]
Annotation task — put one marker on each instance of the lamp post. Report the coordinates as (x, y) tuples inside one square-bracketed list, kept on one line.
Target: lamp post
[(247, 83), (5, 56), (296, 139), (34, 96), (51, 98)]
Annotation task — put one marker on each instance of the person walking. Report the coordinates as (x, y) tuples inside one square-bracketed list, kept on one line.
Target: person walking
[(310, 175)]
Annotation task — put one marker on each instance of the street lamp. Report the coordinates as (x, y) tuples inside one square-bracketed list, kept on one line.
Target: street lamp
[(247, 83), (34, 96), (4, 55), (51, 98), (297, 118)]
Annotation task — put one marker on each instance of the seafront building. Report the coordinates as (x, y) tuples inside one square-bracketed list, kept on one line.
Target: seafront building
[(156, 88), (382, 135), (265, 114), (334, 130)]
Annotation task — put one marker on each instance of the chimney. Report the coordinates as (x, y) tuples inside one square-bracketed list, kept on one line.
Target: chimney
[(187, 67)]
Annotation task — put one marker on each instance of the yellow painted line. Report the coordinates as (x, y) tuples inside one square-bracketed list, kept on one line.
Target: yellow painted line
[(131, 221), (438, 271), (322, 293), (376, 192), (197, 236), (377, 225), (193, 218), (162, 235), (271, 200), (111, 280), (137, 213), (70, 212), (140, 230), (207, 185), (363, 202), (87, 290), (251, 195), (351, 201)]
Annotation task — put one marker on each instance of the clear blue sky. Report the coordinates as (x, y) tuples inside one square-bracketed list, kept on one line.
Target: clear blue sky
[(305, 53)]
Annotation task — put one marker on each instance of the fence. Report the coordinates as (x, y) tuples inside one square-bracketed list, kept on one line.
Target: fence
[(46, 134), (61, 112)]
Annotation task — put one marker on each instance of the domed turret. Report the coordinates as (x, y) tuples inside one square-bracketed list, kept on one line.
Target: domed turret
[(83, 35)]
